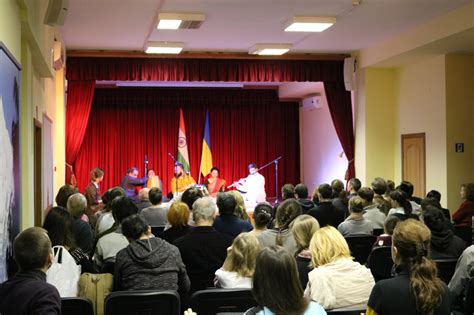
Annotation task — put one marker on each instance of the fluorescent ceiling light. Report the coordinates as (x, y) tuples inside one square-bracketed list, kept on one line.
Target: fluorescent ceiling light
[(174, 21), (270, 49), (309, 24), (164, 47)]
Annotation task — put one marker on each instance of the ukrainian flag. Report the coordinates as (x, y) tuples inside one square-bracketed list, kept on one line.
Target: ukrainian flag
[(206, 156)]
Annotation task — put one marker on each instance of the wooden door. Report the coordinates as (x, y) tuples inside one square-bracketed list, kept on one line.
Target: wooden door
[(414, 162)]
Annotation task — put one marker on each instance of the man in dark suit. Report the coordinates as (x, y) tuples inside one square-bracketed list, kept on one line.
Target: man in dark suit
[(325, 212), (130, 181)]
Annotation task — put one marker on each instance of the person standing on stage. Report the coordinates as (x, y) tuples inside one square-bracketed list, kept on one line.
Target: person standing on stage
[(253, 186), (130, 181), (94, 202), (214, 184), (184, 180)]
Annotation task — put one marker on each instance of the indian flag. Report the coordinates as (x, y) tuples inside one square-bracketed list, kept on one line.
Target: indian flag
[(206, 155), (183, 156)]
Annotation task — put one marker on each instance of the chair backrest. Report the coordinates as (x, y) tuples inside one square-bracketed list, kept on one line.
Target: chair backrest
[(76, 306), (446, 268), (157, 230), (378, 232), (350, 310), (360, 246), (142, 302), (380, 262), (213, 301), (464, 232)]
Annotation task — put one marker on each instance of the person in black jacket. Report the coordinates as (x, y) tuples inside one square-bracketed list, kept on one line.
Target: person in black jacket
[(301, 194), (325, 212), (28, 292)]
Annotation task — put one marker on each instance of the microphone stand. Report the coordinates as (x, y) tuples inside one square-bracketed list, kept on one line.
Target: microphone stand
[(146, 165), (276, 175), (175, 174)]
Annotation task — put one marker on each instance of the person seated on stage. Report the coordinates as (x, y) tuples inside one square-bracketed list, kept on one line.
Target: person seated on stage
[(239, 265), (92, 193), (155, 215), (253, 186), (214, 184), (131, 181), (143, 200), (148, 262), (76, 205), (28, 292), (227, 222), (178, 218), (356, 224), (203, 249), (154, 180), (241, 210), (185, 180)]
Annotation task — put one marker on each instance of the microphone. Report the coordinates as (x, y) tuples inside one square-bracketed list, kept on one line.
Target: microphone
[(146, 159)]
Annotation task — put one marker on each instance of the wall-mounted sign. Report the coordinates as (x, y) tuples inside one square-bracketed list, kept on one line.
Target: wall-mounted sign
[(459, 147)]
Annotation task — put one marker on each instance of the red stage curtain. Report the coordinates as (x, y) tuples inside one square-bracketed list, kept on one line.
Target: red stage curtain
[(340, 107), (245, 126), (79, 101), (226, 70)]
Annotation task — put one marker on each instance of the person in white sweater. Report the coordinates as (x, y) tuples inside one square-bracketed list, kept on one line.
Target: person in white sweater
[(336, 280), (239, 265)]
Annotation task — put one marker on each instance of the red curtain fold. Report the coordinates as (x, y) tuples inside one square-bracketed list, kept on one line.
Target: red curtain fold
[(245, 126), (340, 107), (224, 70), (79, 102)]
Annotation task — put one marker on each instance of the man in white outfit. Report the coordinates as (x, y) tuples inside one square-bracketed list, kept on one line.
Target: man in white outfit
[(252, 187)]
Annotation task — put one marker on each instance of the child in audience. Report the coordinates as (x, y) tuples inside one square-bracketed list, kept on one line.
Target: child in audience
[(239, 265), (336, 280), (276, 286), (303, 229), (385, 239), (416, 289)]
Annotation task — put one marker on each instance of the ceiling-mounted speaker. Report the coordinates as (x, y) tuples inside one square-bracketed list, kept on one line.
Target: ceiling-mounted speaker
[(56, 12), (349, 69)]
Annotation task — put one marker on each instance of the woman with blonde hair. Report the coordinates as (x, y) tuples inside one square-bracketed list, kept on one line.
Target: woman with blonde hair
[(336, 280), (241, 210), (303, 230), (416, 284), (239, 265)]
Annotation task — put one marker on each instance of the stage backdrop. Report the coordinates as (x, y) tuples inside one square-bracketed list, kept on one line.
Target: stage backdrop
[(245, 126)]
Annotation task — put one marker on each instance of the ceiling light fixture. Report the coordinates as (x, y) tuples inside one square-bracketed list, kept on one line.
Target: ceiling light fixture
[(309, 23), (270, 49), (174, 21), (164, 47)]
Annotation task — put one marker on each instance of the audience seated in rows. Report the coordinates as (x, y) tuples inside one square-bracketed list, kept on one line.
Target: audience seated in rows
[(142, 201), (63, 195), (281, 234), (189, 196), (287, 192), (105, 219), (390, 188), (462, 275), (239, 265), (372, 211), (436, 195), (356, 224), (203, 249), (76, 205), (379, 186), (301, 194), (354, 186), (416, 289), (408, 189), (443, 244), (385, 239), (262, 217), (336, 280), (112, 241), (59, 225), (325, 212), (155, 215), (227, 222), (241, 210), (339, 196), (303, 229), (463, 216), (178, 218), (28, 292), (401, 206), (276, 286), (148, 262)]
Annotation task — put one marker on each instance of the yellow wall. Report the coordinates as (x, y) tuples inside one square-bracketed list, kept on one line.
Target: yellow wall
[(459, 120), (42, 89), (421, 108)]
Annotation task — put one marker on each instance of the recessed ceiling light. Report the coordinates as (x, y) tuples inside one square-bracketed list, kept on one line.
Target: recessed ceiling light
[(164, 47), (174, 21), (270, 49), (309, 23)]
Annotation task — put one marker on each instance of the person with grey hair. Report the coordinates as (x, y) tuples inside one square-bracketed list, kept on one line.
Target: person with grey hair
[(76, 205), (203, 249)]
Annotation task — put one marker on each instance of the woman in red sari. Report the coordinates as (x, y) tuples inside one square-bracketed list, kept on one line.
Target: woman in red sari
[(214, 184)]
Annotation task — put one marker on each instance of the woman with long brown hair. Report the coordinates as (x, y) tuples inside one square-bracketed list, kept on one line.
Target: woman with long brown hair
[(416, 290)]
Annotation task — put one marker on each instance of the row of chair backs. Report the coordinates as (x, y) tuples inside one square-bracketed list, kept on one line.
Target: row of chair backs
[(76, 306), (446, 268), (360, 247), (350, 310), (214, 301), (380, 262)]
